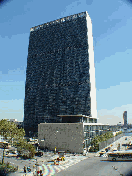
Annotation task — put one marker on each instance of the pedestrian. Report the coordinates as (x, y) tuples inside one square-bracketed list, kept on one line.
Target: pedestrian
[(54, 162), (58, 159), (28, 169), (7, 163), (25, 169), (41, 174)]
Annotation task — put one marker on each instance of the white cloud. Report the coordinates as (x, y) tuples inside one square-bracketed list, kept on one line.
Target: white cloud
[(115, 115)]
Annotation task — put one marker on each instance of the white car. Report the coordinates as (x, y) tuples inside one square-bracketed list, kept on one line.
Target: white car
[(11, 153)]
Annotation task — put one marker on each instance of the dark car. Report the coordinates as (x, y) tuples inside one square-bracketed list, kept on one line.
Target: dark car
[(39, 153)]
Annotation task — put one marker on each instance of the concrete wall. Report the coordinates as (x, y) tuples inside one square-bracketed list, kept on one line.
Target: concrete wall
[(91, 67), (63, 136)]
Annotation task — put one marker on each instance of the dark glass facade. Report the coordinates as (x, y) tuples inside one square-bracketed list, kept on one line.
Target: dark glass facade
[(57, 75)]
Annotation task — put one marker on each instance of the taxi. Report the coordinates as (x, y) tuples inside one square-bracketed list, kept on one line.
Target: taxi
[(102, 152)]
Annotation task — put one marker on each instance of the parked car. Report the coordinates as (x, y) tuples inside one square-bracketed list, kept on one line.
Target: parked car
[(11, 154)]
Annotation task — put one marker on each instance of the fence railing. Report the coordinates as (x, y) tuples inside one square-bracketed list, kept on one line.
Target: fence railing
[(109, 141)]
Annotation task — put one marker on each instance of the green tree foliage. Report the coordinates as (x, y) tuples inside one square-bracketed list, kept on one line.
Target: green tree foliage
[(9, 131), (25, 149), (120, 132), (97, 139)]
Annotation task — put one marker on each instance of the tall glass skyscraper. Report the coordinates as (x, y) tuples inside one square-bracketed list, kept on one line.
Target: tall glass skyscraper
[(125, 118), (60, 76)]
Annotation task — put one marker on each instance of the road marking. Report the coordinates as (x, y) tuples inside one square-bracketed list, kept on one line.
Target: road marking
[(45, 169)]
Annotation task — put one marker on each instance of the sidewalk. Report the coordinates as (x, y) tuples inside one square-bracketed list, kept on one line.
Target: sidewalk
[(51, 169)]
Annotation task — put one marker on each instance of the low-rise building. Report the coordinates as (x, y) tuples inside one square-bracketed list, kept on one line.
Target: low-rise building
[(72, 137)]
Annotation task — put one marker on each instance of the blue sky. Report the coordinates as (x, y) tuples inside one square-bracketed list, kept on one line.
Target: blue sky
[(112, 26)]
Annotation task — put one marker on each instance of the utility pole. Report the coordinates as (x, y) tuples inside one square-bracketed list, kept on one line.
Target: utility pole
[(36, 167)]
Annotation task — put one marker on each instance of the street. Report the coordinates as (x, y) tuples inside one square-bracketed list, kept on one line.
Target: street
[(96, 167), (99, 166)]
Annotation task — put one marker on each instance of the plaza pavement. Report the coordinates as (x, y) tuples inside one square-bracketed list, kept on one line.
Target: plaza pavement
[(50, 169)]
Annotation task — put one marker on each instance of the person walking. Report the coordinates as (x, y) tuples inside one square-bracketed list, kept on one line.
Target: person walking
[(25, 171), (41, 174)]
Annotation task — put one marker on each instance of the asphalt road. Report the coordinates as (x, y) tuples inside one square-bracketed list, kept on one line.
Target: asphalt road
[(97, 166)]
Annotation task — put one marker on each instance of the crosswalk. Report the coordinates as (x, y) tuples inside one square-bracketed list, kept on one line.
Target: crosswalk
[(50, 170)]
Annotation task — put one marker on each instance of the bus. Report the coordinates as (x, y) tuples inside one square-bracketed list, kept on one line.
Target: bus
[(120, 156)]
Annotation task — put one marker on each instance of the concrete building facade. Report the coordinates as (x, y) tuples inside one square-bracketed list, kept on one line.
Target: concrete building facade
[(72, 137), (60, 75)]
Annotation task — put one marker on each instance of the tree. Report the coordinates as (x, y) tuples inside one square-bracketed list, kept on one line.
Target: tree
[(97, 139), (95, 143), (25, 149), (120, 132), (9, 130)]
